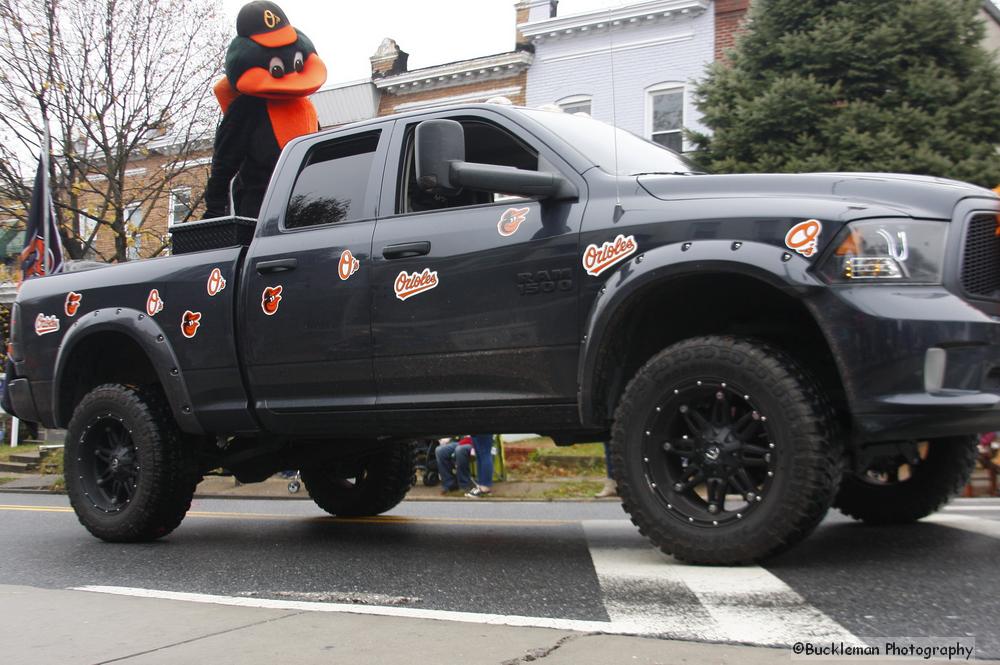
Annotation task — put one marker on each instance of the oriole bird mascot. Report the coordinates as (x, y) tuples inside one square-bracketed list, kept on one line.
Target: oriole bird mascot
[(271, 69)]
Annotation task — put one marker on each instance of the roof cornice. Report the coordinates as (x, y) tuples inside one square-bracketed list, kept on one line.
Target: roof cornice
[(614, 18), (991, 8), (502, 65)]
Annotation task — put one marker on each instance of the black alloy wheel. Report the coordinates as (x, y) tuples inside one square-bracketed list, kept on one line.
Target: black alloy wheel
[(109, 466), (130, 472), (724, 451), (364, 487), (708, 454)]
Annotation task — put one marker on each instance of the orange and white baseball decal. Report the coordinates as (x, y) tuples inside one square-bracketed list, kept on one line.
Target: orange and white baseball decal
[(190, 323), (598, 259), (72, 306), (804, 236), (270, 299), (408, 285), (215, 282), (511, 220), (347, 266), (46, 324), (154, 303)]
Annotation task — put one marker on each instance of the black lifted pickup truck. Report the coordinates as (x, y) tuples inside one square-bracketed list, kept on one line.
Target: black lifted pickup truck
[(756, 348)]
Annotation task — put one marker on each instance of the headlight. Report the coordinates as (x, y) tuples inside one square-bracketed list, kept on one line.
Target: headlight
[(877, 251)]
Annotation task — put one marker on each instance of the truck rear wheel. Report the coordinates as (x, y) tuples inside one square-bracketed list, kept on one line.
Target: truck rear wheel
[(364, 487), (724, 451), (130, 473), (909, 483)]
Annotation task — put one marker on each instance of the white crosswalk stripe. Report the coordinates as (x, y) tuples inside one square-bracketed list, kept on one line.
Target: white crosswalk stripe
[(984, 527), (649, 593)]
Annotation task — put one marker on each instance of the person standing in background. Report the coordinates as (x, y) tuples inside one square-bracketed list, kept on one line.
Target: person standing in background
[(483, 444), (610, 486)]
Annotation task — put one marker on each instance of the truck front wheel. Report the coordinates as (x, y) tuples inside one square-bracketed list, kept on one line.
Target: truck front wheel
[(908, 481), (130, 473), (359, 488), (724, 451)]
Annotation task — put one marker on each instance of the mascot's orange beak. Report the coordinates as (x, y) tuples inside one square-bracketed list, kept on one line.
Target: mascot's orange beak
[(258, 82)]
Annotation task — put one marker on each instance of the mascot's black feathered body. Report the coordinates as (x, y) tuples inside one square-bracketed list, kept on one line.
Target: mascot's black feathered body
[(271, 69)]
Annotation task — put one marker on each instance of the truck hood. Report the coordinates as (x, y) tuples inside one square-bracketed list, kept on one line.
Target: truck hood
[(916, 196)]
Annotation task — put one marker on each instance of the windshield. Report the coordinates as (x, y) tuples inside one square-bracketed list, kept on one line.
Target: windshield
[(596, 141)]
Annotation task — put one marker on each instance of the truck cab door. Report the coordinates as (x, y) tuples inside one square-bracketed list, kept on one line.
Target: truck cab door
[(305, 296), (475, 296)]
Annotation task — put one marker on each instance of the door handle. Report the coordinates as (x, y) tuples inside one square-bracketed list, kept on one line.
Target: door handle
[(406, 250), (278, 265)]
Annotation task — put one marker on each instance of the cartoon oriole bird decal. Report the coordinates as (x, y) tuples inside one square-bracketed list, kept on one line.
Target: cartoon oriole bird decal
[(271, 69)]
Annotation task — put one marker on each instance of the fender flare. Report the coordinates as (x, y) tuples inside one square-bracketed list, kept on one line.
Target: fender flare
[(774, 266), (145, 332)]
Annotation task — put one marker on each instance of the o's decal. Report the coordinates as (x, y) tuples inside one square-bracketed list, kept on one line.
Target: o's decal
[(804, 236)]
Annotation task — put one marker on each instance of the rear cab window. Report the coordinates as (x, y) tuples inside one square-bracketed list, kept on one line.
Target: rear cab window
[(332, 183)]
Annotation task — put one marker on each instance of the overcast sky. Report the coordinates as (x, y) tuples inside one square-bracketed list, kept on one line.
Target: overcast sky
[(347, 33)]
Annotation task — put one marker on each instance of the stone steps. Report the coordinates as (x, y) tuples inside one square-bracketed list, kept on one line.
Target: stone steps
[(32, 458), (16, 467)]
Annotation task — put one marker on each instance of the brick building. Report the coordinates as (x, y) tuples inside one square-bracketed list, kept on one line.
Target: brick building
[(475, 80)]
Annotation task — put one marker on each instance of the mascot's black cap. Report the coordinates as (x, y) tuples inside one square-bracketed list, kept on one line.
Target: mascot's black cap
[(266, 24)]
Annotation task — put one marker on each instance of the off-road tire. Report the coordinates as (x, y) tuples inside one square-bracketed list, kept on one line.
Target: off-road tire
[(167, 464), (937, 479), (383, 482), (806, 473)]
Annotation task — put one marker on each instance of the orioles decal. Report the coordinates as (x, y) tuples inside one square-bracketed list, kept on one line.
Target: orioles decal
[(72, 305), (348, 265), (46, 324), (598, 259), (511, 220), (154, 303), (215, 282), (408, 285), (190, 323), (804, 236), (270, 299)]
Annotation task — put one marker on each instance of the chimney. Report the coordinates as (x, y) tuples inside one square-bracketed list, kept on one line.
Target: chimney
[(389, 59), (730, 21), (532, 11)]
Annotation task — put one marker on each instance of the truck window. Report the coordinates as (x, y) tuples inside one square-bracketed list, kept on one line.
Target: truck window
[(484, 144), (332, 182)]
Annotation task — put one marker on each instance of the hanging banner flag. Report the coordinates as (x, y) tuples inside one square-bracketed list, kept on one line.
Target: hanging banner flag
[(42, 253)]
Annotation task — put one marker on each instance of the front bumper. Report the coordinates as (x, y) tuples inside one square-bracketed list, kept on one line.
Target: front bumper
[(916, 362)]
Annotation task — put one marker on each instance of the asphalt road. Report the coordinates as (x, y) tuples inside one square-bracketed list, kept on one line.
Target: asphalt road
[(572, 566)]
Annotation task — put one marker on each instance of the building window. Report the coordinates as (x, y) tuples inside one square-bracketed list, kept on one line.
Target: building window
[(87, 225), (180, 205), (665, 116), (133, 222), (575, 104)]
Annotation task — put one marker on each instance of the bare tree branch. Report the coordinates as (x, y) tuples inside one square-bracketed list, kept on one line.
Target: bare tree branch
[(119, 83)]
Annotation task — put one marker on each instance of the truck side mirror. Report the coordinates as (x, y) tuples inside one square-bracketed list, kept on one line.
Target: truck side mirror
[(442, 169), (439, 144)]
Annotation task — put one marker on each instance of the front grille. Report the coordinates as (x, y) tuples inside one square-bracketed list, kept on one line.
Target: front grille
[(981, 258)]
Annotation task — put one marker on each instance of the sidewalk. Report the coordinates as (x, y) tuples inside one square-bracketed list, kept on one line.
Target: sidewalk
[(60, 626)]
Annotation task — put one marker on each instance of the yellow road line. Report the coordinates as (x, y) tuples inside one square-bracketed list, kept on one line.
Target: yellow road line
[(384, 519)]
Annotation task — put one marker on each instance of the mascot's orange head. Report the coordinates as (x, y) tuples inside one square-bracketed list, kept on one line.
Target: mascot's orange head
[(269, 58)]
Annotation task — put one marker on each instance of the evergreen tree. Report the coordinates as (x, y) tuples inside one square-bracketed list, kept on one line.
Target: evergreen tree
[(856, 85)]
